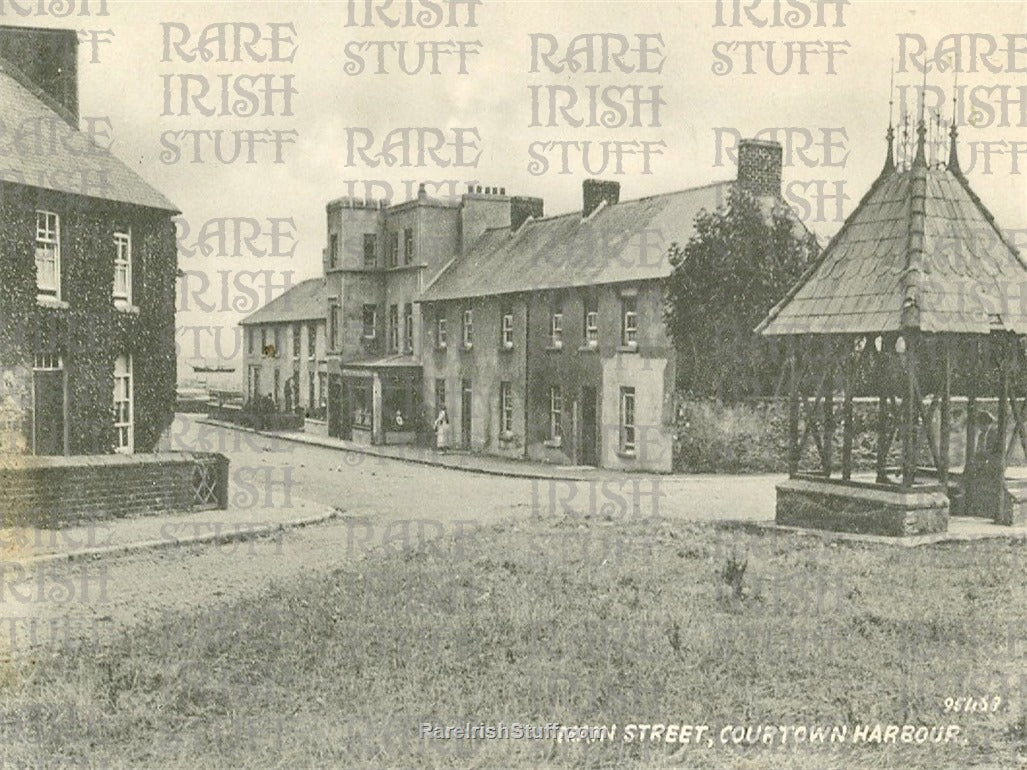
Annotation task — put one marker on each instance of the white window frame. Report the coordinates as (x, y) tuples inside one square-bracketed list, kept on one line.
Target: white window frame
[(468, 328), (374, 321), (123, 261), (124, 422), (48, 234), (628, 431), (394, 328), (441, 333), (505, 408), (591, 327), (506, 330), (630, 320), (408, 327), (556, 329), (555, 414)]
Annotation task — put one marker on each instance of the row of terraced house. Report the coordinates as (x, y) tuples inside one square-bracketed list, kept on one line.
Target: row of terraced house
[(542, 337)]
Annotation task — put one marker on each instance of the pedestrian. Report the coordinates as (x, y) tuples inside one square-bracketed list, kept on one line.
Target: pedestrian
[(442, 430)]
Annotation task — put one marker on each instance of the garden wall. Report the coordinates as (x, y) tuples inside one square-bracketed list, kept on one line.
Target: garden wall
[(54, 492), (752, 436)]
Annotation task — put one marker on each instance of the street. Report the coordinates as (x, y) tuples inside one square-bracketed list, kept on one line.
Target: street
[(384, 503)]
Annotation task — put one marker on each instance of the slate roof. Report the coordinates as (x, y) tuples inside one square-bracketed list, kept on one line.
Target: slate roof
[(624, 242), (967, 279), (306, 301), (72, 163)]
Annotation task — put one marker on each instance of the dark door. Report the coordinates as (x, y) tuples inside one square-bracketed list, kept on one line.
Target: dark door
[(589, 427), (465, 414), (337, 424), (48, 428)]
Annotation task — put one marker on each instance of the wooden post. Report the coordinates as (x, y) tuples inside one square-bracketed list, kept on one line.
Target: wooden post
[(971, 404), (909, 419), (793, 409), (828, 434), (847, 427), (883, 423), (945, 420), (1002, 426)]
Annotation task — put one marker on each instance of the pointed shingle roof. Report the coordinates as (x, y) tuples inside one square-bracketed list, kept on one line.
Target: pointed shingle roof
[(919, 252)]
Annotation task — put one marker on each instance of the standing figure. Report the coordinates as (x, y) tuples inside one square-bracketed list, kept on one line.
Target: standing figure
[(442, 430)]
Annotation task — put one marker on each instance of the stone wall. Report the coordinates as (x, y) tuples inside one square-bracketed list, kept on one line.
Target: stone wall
[(54, 492)]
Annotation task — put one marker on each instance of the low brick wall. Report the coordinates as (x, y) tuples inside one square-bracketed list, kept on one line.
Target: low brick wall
[(863, 508), (53, 492)]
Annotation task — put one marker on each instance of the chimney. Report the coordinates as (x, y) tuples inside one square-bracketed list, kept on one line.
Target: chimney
[(521, 208), (594, 191), (46, 62), (759, 167)]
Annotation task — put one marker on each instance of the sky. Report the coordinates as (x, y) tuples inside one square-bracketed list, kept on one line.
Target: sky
[(829, 102)]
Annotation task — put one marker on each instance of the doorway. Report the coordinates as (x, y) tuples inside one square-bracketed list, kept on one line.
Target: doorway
[(48, 404), (465, 414), (589, 427)]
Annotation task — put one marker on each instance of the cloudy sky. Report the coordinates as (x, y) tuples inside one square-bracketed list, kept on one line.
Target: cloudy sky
[(825, 82)]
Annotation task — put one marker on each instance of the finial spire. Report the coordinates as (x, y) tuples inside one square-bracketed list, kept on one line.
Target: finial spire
[(953, 131), (921, 128), (889, 159)]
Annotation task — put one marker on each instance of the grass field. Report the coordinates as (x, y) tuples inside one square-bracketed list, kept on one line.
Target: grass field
[(571, 621)]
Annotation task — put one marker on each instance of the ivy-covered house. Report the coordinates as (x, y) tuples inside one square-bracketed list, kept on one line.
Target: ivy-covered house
[(88, 266)]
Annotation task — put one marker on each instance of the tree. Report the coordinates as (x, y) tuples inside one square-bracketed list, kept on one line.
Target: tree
[(741, 260)]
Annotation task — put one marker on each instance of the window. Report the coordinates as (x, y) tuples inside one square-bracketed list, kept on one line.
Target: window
[(123, 403), (393, 259), (394, 328), (312, 341), (370, 250), (276, 395), (505, 408), (263, 341), (322, 389), (363, 415), (591, 322), (297, 340), (333, 250), (555, 414), (506, 329), (408, 327), (556, 329), (333, 325), (48, 254), (278, 341), (468, 329), (627, 419), (370, 321), (251, 341), (629, 321), (441, 333), (408, 246), (123, 264)]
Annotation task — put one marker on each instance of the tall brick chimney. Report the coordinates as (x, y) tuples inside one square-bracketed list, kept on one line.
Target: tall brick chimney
[(595, 191), (46, 62), (521, 208), (759, 167)]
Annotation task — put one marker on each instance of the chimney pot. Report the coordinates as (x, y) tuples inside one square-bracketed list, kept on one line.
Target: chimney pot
[(595, 191)]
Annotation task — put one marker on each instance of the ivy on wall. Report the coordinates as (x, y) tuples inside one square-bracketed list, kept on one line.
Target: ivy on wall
[(91, 332)]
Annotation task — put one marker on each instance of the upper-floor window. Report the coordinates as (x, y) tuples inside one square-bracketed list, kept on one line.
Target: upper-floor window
[(370, 321), (48, 253), (468, 328), (394, 328), (393, 257), (278, 341), (334, 323), (556, 329), (263, 341), (408, 327), (333, 250), (251, 340), (312, 341), (591, 321), (370, 250), (408, 246), (440, 331), (629, 321), (123, 263), (506, 328), (297, 340)]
